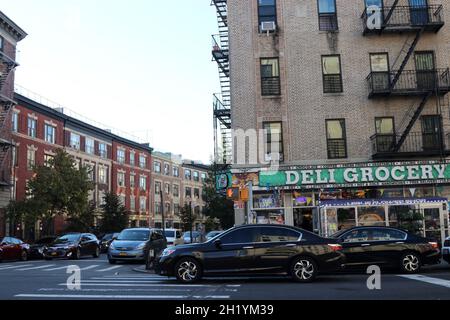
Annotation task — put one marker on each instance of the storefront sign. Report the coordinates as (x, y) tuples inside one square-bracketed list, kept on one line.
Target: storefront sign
[(380, 202), (358, 175)]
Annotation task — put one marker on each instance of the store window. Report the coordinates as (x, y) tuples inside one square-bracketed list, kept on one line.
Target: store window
[(302, 199), (270, 217), (371, 216), (421, 192), (336, 139), (273, 141), (267, 201), (346, 218), (391, 193)]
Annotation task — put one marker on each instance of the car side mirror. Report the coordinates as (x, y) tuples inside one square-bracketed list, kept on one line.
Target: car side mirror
[(114, 238), (218, 244)]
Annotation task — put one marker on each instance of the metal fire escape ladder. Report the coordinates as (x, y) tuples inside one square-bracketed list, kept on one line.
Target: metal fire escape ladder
[(389, 15), (413, 120), (406, 59)]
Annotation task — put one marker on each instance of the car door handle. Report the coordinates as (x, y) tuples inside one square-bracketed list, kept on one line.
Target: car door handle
[(400, 242), (248, 248), (291, 245), (365, 245)]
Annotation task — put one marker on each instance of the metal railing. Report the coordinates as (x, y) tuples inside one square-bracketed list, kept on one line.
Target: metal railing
[(416, 142), (408, 16), (328, 22), (410, 81)]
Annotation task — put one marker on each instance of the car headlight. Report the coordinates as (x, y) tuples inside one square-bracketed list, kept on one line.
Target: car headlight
[(111, 246), (141, 246), (167, 252)]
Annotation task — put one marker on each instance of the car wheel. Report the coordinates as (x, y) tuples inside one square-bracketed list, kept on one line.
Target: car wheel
[(96, 253), (304, 269), (410, 263), (77, 254), (24, 256), (112, 261), (188, 270)]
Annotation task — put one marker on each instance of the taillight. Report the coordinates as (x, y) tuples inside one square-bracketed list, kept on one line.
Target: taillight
[(434, 245), (335, 247)]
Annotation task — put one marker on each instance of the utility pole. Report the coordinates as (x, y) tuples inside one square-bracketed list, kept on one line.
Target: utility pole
[(162, 211), (190, 220)]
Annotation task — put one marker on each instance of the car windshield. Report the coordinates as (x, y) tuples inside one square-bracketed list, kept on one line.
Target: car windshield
[(188, 234), (68, 238), (170, 234), (108, 237), (213, 234), (134, 235)]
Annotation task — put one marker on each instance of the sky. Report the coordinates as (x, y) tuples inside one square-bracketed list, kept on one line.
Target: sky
[(141, 66)]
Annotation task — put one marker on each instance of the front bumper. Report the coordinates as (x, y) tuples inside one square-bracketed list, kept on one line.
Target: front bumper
[(165, 266), (129, 255), (58, 253)]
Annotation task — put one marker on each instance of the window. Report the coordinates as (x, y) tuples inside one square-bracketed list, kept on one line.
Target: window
[(187, 174), (273, 141), (267, 11), (2, 45), (327, 15), (103, 175), (168, 208), (360, 235), (379, 67), (239, 236), (270, 77), (167, 188), (273, 234), (103, 150), (157, 208), (157, 167), (15, 122), (121, 179), (143, 162), (132, 203), (143, 183), (385, 137), (89, 146), (121, 156), (74, 141), (336, 139), (143, 204), (132, 181), (176, 191), (14, 152), (203, 175), (187, 192), (167, 169), (31, 159), (132, 159), (371, 216), (196, 176), (331, 72), (122, 199), (90, 168), (157, 187), (197, 193), (32, 127), (176, 172), (50, 133), (176, 208), (387, 235)]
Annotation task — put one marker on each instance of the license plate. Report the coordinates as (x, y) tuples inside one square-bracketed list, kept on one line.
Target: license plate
[(446, 251), (152, 253), (123, 254), (54, 253)]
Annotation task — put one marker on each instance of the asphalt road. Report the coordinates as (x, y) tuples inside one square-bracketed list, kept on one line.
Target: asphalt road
[(99, 280)]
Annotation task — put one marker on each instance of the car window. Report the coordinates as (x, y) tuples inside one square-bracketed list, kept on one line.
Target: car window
[(360, 235), (387, 235), (134, 235), (178, 234), (17, 241), (239, 236), (6, 240), (274, 234)]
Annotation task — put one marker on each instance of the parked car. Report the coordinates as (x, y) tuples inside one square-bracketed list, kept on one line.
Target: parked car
[(212, 234), (254, 250), (136, 245), (13, 249), (446, 250), (37, 248), (73, 246), (106, 241), (387, 247), (196, 236), (174, 237)]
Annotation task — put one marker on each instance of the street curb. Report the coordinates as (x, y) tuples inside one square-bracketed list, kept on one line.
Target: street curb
[(143, 271)]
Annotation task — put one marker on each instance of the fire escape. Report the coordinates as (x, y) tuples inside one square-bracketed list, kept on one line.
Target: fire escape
[(423, 83), (7, 66), (222, 101)]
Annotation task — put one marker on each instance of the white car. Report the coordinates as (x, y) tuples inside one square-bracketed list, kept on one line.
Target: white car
[(446, 250), (174, 237)]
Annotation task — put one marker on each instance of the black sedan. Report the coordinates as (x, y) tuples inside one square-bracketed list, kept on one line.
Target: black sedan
[(254, 250), (37, 248), (106, 241), (387, 247), (73, 246)]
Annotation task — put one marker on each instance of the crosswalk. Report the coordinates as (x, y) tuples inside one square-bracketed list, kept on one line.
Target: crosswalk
[(47, 268), (145, 287)]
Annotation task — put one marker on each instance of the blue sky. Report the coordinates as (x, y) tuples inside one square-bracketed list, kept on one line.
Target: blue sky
[(142, 66)]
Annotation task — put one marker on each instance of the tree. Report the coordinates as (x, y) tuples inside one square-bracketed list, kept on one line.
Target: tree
[(217, 205), (212, 224), (187, 217), (83, 222), (115, 216)]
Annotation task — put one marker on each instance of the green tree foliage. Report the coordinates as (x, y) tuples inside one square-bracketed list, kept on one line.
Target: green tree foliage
[(187, 217), (115, 216), (217, 205), (212, 224)]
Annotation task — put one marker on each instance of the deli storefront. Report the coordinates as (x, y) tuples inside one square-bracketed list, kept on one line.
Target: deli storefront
[(325, 199)]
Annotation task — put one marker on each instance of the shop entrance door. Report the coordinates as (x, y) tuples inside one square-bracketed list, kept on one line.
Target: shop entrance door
[(303, 218), (434, 222)]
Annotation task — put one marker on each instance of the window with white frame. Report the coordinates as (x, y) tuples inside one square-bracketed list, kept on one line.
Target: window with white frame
[(176, 172), (167, 188), (196, 176), (143, 162), (121, 179), (103, 175), (166, 169), (132, 203), (31, 158), (132, 181), (75, 141), (121, 156), (143, 182), (157, 167), (103, 150), (143, 204), (132, 158), (176, 191), (32, 123), (89, 146), (15, 121), (187, 174), (122, 199), (50, 133), (48, 160)]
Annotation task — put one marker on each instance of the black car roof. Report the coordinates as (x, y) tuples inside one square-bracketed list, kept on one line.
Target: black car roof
[(375, 227)]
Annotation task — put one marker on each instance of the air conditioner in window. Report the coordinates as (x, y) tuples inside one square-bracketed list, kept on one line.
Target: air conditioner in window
[(268, 26), (274, 157)]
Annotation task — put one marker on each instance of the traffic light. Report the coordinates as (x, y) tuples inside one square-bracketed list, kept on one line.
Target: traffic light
[(244, 195), (233, 194)]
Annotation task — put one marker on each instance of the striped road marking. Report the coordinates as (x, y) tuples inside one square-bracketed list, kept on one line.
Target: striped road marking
[(15, 267), (109, 269), (162, 284), (435, 281), (36, 268)]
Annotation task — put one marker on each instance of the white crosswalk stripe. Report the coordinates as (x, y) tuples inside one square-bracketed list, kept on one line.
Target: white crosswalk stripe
[(55, 269), (15, 267), (109, 269), (36, 268), (435, 281)]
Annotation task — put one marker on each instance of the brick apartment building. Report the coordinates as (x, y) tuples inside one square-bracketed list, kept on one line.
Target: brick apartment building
[(351, 98), (115, 163), (10, 35)]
